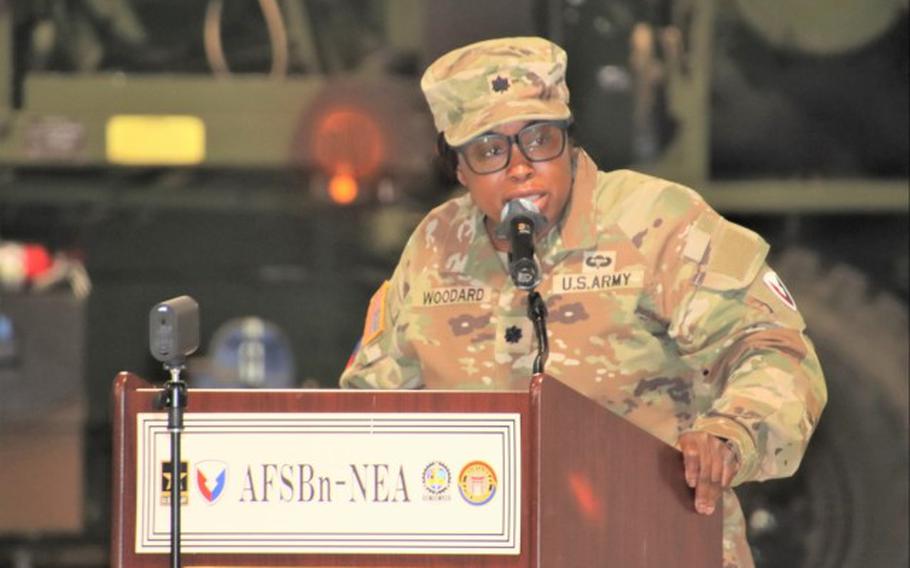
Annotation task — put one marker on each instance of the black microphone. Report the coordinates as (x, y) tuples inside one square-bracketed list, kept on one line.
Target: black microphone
[(518, 222)]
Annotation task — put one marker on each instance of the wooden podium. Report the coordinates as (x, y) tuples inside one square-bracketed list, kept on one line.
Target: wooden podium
[(594, 491)]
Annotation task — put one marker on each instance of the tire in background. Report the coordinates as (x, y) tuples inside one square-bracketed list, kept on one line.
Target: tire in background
[(847, 506)]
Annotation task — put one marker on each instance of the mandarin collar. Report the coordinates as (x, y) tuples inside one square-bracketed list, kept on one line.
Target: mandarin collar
[(576, 229)]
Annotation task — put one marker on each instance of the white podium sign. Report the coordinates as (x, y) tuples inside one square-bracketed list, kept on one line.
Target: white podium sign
[(391, 483)]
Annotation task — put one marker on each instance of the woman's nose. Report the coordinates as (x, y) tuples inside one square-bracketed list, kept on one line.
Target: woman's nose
[(519, 167)]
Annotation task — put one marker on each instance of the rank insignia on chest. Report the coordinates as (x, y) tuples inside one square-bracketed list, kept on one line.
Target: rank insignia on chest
[(513, 335)]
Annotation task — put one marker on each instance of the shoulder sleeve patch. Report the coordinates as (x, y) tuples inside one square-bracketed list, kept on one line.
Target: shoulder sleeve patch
[(375, 320), (735, 257), (776, 285)]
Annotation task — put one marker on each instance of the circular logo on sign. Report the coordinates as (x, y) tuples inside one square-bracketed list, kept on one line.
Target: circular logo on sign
[(477, 483), (436, 478)]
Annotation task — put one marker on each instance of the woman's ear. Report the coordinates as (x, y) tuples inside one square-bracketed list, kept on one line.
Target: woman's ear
[(460, 175)]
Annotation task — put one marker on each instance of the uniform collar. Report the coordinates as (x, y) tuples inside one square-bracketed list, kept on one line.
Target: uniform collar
[(576, 230), (480, 257)]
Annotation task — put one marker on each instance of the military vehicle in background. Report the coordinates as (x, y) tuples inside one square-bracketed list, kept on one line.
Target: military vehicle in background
[(270, 158)]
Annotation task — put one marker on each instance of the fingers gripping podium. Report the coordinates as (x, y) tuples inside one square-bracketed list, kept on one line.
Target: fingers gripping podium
[(538, 479)]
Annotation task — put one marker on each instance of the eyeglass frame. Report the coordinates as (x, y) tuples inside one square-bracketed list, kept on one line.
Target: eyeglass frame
[(513, 140)]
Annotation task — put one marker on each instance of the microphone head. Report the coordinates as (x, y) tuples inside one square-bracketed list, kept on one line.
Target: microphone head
[(515, 208), (174, 329)]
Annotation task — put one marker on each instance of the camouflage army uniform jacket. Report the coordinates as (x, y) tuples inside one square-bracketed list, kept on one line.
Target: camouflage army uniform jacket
[(659, 309)]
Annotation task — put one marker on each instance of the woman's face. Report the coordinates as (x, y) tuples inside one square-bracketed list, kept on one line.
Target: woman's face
[(548, 184)]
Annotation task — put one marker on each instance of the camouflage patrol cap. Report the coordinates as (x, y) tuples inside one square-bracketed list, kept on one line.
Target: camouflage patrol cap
[(483, 85)]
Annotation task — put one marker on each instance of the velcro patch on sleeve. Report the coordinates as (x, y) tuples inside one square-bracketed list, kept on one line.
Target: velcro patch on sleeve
[(375, 320), (736, 256)]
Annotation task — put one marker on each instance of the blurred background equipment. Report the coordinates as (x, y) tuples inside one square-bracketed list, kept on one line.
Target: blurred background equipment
[(270, 158), (799, 25), (43, 404), (247, 352)]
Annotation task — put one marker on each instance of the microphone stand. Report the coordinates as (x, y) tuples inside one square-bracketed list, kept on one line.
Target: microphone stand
[(174, 398), (517, 222), (537, 312)]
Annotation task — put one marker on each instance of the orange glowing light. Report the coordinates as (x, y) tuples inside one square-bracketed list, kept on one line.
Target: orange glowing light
[(343, 188), (349, 138)]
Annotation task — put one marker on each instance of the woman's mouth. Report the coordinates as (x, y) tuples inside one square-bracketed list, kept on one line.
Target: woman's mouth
[(538, 199)]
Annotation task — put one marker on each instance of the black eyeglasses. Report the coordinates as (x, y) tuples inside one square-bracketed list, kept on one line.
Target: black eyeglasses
[(538, 142)]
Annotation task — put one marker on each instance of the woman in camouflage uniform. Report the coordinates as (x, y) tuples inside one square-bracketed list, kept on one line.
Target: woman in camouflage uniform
[(660, 309)]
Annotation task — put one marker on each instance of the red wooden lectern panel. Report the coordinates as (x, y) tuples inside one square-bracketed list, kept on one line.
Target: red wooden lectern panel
[(595, 490)]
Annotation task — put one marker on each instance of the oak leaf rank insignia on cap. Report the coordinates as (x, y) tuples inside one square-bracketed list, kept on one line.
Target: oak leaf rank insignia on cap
[(480, 86), (500, 84)]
